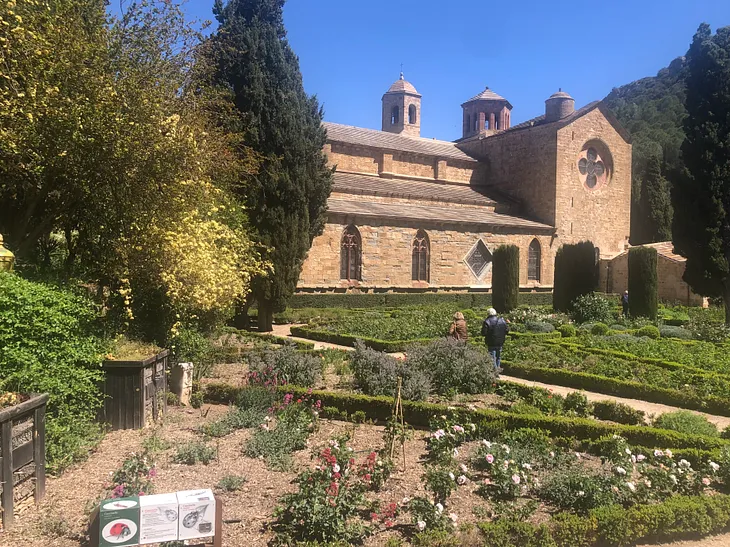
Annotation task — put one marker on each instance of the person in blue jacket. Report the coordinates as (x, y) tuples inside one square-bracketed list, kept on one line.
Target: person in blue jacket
[(494, 330)]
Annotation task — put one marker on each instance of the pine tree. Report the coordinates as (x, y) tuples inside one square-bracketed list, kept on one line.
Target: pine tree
[(286, 202), (701, 197), (655, 208), (575, 274)]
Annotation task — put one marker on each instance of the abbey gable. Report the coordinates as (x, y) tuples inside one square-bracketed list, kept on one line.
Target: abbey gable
[(408, 212)]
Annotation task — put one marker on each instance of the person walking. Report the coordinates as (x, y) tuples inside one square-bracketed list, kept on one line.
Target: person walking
[(458, 330), (625, 303), (494, 330)]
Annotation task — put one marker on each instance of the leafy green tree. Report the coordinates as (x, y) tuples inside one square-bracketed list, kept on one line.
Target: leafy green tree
[(701, 197), (655, 207), (506, 278), (286, 201)]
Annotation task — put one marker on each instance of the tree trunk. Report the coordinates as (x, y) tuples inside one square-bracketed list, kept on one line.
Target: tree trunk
[(241, 320), (266, 316)]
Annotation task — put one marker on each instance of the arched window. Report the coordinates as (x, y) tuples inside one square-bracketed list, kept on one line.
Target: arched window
[(351, 255), (468, 123), (394, 116), (534, 261), (421, 268), (476, 123), (412, 114)]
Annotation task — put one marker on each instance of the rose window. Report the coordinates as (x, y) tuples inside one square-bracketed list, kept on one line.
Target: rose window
[(592, 168)]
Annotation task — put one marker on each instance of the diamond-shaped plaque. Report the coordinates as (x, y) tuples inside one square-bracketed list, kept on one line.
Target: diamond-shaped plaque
[(478, 259)]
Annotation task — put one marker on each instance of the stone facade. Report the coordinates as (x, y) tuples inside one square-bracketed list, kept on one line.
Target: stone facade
[(560, 178), (614, 276)]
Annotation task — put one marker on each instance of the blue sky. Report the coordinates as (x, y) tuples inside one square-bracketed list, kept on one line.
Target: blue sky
[(351, 50)]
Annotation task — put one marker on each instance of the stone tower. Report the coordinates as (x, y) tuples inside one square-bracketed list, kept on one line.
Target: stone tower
[(558, 106), (402, 109), (486, 112)]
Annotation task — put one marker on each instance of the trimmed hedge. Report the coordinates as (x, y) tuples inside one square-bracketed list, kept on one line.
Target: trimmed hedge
[(390, 346), (506, 278), (676, 518), (419, 414), (620, 388), (575, 273), (461, 300), (643, 283)]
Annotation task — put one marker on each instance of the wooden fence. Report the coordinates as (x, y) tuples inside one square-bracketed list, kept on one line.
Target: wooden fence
[(22, 454)]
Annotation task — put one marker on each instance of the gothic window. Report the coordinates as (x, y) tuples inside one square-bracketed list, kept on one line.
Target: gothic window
[(478, 259), (394, 116), (420, 265), (351, 255), (534, 261), (412, 114)]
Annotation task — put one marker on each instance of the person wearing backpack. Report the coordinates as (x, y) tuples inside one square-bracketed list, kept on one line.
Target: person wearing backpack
[(494, 330)]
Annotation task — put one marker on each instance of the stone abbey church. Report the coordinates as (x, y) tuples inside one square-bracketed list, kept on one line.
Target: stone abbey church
[(413, 213)]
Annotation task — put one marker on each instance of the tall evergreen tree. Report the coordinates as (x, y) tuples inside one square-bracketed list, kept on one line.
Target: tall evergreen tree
[(701, 197), (250, 56), (655, 207)]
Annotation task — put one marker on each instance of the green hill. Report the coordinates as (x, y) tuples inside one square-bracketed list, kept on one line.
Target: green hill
[(652, 110)]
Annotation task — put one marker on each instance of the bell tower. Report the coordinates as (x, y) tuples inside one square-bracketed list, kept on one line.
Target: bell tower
[(402, 109), (486, 113)]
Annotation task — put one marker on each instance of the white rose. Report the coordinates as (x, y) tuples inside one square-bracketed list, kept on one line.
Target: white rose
[(451, 476), (421, 525), (439, 508)]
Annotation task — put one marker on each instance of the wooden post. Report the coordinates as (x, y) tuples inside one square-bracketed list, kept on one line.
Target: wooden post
[(39, 452), (218, 538), (7, 473)]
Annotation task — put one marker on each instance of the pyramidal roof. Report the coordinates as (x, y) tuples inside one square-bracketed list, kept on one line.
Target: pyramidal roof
[(488, 95), (402, 86)]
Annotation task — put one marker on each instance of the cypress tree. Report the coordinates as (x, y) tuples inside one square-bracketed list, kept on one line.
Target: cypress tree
[(575, 274), (286, 201), (506, 278), (655, 208), (701, 197), (643, 283)]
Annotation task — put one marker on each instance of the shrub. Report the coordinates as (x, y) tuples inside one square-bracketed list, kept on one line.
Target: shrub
[(599, 329), (577, 491), (452, 366), (685, 421), (192, 346), (255, 397), (539, 326), (567, 331), (133, 477), (575, 274), (577, 404), (618, 412), (506, 533), (523, 407), (643, 284), (705, 329), (231, 483), (506, 278), (650, 331), (194, 452), (668, 331), (285, 365), (49, 344), (377, 373), (591, 308)]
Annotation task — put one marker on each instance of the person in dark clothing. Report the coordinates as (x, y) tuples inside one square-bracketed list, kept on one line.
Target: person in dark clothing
[(495, 331), (625, 303), (458, 329)]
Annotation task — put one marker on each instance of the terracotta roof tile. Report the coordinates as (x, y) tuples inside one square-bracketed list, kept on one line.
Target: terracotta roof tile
[(390, 141), (351, 183), (403, 86), (424, 213)]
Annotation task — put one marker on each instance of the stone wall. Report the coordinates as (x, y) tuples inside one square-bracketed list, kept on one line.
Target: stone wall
[(614, 278), (521, 163), (386, 256), (363, 159), (602, 214)]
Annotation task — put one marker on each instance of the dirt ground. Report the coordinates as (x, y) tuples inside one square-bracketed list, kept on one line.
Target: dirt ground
[(62, 518)]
